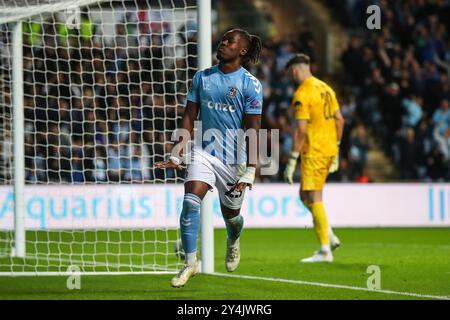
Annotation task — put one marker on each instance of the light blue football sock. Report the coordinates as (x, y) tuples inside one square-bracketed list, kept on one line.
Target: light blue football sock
[(190, 222), (234, 228)]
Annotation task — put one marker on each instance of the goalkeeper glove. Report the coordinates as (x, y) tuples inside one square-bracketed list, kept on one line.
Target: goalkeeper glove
[(290, 167), (335, 164)]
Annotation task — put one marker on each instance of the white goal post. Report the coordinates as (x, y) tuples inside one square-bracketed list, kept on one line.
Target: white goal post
[(90, 93)]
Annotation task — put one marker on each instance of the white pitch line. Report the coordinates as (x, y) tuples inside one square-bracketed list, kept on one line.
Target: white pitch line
[(329, 285), (318, 284)]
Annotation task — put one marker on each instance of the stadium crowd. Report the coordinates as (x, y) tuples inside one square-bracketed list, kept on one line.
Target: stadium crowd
[(399, 79), (103, 111)]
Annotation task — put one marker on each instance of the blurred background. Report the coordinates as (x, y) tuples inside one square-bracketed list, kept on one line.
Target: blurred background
[(92, 92)]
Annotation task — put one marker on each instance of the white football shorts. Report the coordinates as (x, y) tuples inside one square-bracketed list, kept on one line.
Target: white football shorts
[(209, 169)]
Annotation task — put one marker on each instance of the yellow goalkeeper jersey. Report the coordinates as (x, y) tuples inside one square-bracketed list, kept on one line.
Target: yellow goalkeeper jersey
[(316, 102)]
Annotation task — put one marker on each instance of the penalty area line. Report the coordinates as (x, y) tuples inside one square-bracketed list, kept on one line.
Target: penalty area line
[(330, 285)]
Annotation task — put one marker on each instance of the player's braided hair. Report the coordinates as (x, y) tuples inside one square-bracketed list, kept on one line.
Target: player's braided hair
[(254, 46)]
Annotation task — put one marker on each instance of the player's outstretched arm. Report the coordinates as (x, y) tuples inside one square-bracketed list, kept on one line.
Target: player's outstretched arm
[(187, 124)]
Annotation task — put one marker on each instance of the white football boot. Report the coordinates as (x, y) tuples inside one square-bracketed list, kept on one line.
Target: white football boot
[(334, 242), (319, 256), (184, 275), (233, 256)]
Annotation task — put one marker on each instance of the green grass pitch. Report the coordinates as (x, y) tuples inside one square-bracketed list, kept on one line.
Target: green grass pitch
[(411, 260)]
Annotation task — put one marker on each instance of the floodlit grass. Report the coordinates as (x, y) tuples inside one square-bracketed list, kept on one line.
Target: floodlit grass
[(411, 260)]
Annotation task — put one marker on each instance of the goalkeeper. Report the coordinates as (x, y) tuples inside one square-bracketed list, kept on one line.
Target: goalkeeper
[(317, 137), (224, 97)]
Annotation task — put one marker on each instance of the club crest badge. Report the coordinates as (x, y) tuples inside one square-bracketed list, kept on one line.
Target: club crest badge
[(232, 92)]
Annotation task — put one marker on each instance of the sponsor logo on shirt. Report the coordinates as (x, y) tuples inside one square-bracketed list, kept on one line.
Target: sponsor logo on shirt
[(255, 104), (221, 106)]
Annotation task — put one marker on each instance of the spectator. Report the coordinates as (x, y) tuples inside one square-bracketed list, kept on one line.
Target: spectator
[(77, 170), (413, 111), (100, 165), (441, 117), (408, 155), (425, 144), (352, 56), (359, 146), (134, 172), (114, 165), (443, 142)]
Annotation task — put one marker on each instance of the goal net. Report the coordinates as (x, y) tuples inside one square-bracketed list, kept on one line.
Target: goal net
[(104, 83)]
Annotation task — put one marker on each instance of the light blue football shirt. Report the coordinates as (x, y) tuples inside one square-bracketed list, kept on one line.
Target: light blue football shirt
[(225, 99)]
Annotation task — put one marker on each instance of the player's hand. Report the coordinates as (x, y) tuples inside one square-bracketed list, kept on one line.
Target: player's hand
[(168, 164), (290, 167), (240, 186), (246, 180), (335, 164)]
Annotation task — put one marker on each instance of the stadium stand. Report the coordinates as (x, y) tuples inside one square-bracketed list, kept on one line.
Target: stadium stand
[(396, 87), (399, 76)]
